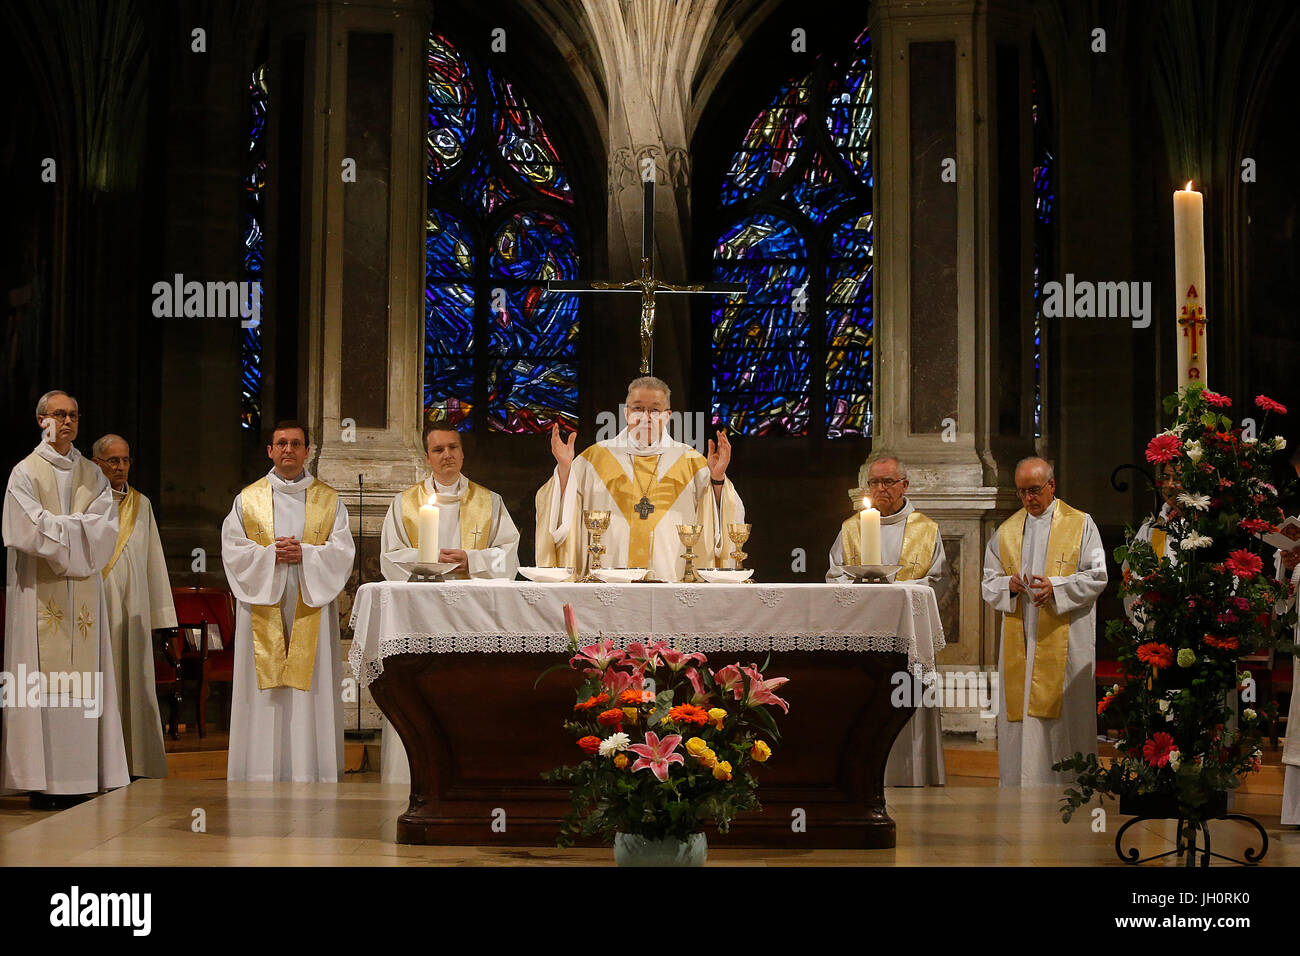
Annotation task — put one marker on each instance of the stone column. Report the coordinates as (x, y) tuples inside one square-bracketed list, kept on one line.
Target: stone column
[(953, 395)]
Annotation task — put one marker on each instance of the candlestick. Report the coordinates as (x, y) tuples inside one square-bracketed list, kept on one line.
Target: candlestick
[(428, 550), (1189, 284), (869, 533)]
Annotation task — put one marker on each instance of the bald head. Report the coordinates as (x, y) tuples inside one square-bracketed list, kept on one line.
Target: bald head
[(1035, 484), (113, 456)]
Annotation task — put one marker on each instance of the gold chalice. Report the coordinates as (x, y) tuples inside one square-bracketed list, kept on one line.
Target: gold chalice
[(596, 522), (739, 534), (690, 534)]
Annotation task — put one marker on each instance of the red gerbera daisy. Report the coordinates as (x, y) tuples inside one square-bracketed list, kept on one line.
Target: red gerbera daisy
[(1163, 448), (1156, 750), (1156, 654), (1222, 643), (1217, 400), (591, 703), (689, 714), (1243, 563), (1266, 403)]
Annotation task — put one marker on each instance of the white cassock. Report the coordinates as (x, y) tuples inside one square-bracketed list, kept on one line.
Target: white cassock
[(58, 749), (281, 733), (1291, 749), (499, 558), (614, 476), (139, 597), (1144, 533), (916, 759), (1027, 748)]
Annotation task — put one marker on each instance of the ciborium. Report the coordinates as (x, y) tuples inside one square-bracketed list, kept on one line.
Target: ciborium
[(596, 523)]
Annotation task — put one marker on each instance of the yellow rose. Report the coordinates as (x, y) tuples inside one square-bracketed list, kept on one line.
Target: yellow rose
[(760, 751), (708, 758), (722, 770), (696, 746), (630, 714), (717, 715), (620, 761)]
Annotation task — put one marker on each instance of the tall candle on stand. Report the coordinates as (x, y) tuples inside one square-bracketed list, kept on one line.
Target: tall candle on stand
[(428, 553), (869, 533), (1189, 284)]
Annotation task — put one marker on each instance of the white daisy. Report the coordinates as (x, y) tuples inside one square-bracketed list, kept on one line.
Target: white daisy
[(614, 743), (1195, 540), (1198, 502)]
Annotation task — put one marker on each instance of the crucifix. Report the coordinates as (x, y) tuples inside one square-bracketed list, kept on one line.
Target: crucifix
[(646, 283), (1192, 318)]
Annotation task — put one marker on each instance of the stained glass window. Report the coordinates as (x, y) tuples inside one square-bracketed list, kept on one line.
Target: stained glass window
[(254, 218), (793, 355), (497, 224), (1044, 186)]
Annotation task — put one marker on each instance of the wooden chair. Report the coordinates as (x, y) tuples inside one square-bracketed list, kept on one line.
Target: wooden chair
[(200, 608), (167, 675)]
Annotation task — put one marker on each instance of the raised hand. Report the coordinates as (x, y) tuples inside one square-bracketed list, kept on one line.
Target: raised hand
[(719, 456), (562, 450)]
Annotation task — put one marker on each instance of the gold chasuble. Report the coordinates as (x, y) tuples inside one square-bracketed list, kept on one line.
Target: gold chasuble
[(475, 516), (1158, 538), (280, 662), (1064, 539), (126, 515), (628, 493), (916, 554), (66, 634)]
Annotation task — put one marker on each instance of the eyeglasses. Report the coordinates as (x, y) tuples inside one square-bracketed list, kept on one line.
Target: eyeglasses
[(295, 444), (884, 482), (63, 416), (115, 462), (1033, 492)]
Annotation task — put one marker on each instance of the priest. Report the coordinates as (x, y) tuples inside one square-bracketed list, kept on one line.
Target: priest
[(287, 552), (1044, 570), (62, 729), (649, 483), (138, 594), (1155, 530), (911, 539), (474, 531)]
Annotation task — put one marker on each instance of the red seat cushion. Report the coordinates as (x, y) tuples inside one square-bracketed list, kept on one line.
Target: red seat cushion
[(1108, 672)]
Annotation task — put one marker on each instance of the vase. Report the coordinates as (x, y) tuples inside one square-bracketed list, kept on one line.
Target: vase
[(1165, 806), (633, 850)]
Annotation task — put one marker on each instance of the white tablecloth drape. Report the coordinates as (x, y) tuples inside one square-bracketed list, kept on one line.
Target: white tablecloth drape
[(488, 617)]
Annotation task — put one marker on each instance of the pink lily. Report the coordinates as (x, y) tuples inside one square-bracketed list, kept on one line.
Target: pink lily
[(643, 658), (676, 660), (571, 623), (701, 692), (616, 681), (657, 754), (729, 679), (597, 657), (760, 690)]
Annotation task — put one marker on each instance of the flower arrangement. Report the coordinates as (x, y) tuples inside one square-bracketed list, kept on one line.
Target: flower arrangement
[(668, 743), (1193, 617)]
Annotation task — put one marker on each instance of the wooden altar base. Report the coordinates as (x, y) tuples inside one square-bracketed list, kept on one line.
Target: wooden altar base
[(478, 737)]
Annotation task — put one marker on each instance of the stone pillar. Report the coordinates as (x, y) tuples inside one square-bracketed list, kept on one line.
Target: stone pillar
[(953, 277)]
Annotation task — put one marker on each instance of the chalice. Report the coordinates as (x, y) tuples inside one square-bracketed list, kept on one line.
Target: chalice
[(690, 534), (739, 534), (596, 522)]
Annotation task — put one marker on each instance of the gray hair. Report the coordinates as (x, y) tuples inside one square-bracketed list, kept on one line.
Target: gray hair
[(898, 464), (650, 381), (40, 403), (1034, 459), (101, 444)]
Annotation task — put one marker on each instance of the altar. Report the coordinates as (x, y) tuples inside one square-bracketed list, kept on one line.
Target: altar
[(453, 666)]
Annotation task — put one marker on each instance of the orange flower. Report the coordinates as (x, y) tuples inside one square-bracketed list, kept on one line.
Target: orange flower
[(1156, 654), (611, 718), (1222, 643), (590, 745), (635, 697), (689, 714), (592, 702), (1103, 704)]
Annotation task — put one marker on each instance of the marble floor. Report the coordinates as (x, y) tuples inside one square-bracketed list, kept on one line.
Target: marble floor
[(215, 823)]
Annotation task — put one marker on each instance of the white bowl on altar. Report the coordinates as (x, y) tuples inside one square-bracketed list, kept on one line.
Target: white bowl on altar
[(436, 567), (619, 575), (547, 575), (725, 575), (873, 572)]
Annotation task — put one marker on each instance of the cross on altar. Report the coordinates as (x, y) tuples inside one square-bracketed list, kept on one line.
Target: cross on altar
[(646, 283), (1192, 318)]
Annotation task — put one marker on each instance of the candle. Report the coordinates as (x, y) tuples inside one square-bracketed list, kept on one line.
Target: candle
[(869, 533), (428, 533), (1189, 284)]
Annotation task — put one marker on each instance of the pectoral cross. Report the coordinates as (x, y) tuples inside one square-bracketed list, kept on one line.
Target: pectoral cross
[(646, 284), (643, 508)]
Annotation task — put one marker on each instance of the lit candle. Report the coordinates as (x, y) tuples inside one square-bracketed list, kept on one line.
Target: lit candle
[(428, 533), (1189, 284), (869, 533)]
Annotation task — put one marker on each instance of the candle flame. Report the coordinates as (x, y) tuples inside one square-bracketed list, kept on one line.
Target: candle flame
[(1188, 187), (866, 503)]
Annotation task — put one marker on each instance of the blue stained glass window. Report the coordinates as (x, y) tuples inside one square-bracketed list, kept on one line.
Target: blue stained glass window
[(254, 216), (794, 353), (1044, 190), (495, 227)]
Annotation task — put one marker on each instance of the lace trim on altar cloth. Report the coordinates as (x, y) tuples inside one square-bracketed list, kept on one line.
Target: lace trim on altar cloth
[(514, 642)]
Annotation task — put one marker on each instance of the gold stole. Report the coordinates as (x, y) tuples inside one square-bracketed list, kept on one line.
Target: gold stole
[(626, 492), (475, 515), (127, 512), (292, 663), (916, 553), (1064, 539), (56, 647), (1158, 538)]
